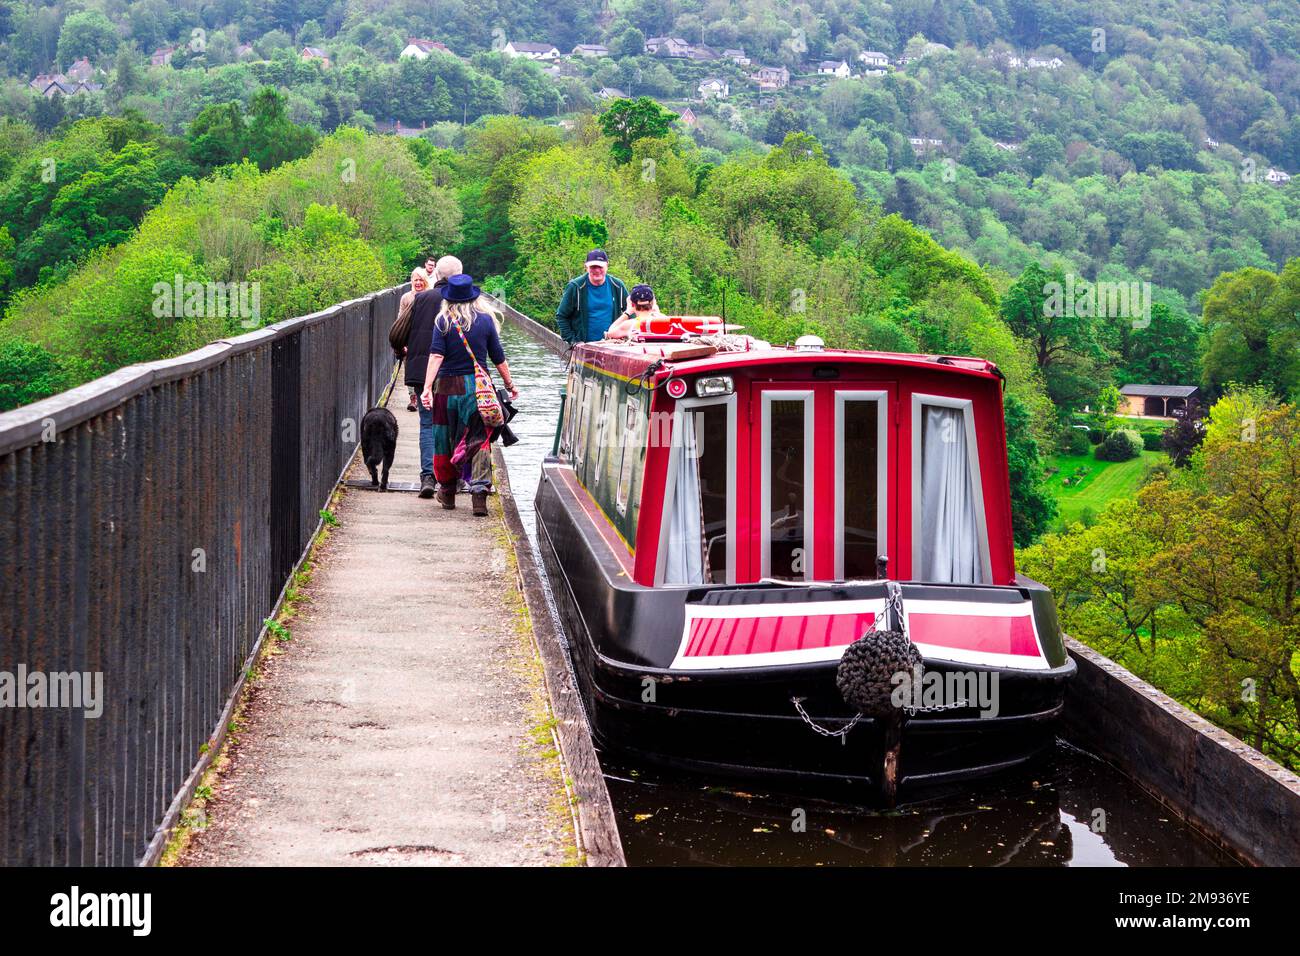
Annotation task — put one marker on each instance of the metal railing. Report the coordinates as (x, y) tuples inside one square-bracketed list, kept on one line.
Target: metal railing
[(149, 521)]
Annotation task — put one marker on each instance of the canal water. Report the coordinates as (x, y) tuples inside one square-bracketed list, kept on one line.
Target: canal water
[(1066, 809)]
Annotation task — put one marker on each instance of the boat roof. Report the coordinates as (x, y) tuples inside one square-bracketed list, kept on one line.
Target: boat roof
[(631, 359)]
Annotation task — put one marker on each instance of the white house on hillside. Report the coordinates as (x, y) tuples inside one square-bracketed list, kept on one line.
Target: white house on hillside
[(420, 48), (1276, 176), (533, 51), (714, 88), (874, 59), (924, 143), (834, 68), (590, 49)]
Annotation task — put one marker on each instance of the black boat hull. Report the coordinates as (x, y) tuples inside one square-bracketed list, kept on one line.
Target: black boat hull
[(743, 722)]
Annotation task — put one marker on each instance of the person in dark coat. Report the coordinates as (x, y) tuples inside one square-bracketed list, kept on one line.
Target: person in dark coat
[(424, 311)]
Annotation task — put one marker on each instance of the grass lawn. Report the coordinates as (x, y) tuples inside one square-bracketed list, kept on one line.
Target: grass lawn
[(1105, 481)]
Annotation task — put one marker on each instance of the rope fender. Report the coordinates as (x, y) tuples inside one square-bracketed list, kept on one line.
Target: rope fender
[(867, 668)]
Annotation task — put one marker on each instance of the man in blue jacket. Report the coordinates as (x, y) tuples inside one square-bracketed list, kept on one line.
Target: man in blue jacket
[(591, 303)]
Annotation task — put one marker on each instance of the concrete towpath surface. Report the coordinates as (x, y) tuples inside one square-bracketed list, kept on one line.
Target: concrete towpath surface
[(405, 722)]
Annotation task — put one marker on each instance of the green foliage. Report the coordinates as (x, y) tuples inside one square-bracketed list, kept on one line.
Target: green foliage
[(1152, 440), (86, 34), (273, 138), (1190, 585), (305, 234), (1076, 441), (1064, 338), (1252, 319), (28, 372), (84, 189), (627, 121), (1032, 505), (1120, 445)]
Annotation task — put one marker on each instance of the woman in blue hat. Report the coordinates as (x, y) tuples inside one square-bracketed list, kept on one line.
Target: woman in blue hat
[(462, 336)]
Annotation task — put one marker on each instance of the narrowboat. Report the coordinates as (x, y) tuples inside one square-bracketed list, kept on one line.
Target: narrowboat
[(721, 518)]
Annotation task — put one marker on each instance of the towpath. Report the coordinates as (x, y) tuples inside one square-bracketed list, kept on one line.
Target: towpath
[(405, 721)]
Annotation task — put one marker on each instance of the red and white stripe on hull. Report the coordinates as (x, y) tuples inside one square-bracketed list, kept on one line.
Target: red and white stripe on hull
[(971, 632), (767, 635), (715, 637)]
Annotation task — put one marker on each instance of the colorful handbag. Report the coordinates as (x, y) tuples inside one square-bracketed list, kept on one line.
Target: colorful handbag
[(489, 408)]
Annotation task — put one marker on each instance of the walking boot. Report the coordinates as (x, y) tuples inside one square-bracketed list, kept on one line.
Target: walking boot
[(479, 500), (427, 486), (447, 497)]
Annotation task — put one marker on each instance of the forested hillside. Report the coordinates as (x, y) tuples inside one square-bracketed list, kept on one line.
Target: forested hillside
[(1114, 141), (806, 208)]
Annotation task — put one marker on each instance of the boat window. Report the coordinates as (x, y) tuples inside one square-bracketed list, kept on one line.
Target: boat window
[(606, 433), (861, 445), (698, 541), (572, 406), (787, 482), (584, 420), (630, 448), (950, 541)]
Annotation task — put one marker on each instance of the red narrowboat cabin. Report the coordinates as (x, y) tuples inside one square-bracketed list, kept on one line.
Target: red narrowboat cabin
[(720, 519)]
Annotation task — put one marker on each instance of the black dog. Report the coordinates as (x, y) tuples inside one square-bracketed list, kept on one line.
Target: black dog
[(379, 443)]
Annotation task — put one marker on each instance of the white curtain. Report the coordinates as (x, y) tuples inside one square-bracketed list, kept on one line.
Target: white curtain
[(684, 563), (949, 530)]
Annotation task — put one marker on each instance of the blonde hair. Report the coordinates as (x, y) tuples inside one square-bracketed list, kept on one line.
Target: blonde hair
[(419, 273), (462, 314)]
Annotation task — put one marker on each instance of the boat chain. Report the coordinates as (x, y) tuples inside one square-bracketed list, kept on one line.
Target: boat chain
[(894, 603)]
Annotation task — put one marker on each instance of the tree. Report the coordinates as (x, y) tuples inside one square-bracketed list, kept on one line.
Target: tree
[(1227, 557), (781, 124), (1064, 340), (1039, 152), (47, 113), (631, 42), (100, 207), (28, 373), (1253, 322), (218, 136), (1108, 402), (1097, 576), (1032, 506), (626, 121), (1161, 148), (126, 75), (1166, 350), (89, 34), (982, 156), (1185, 435), (273, 138)]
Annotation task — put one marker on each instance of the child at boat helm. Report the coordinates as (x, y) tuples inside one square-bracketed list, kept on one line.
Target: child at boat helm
[(591, 302), (641, 303)]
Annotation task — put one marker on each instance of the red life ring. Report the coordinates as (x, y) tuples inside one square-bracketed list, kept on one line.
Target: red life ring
[(675, 326)]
